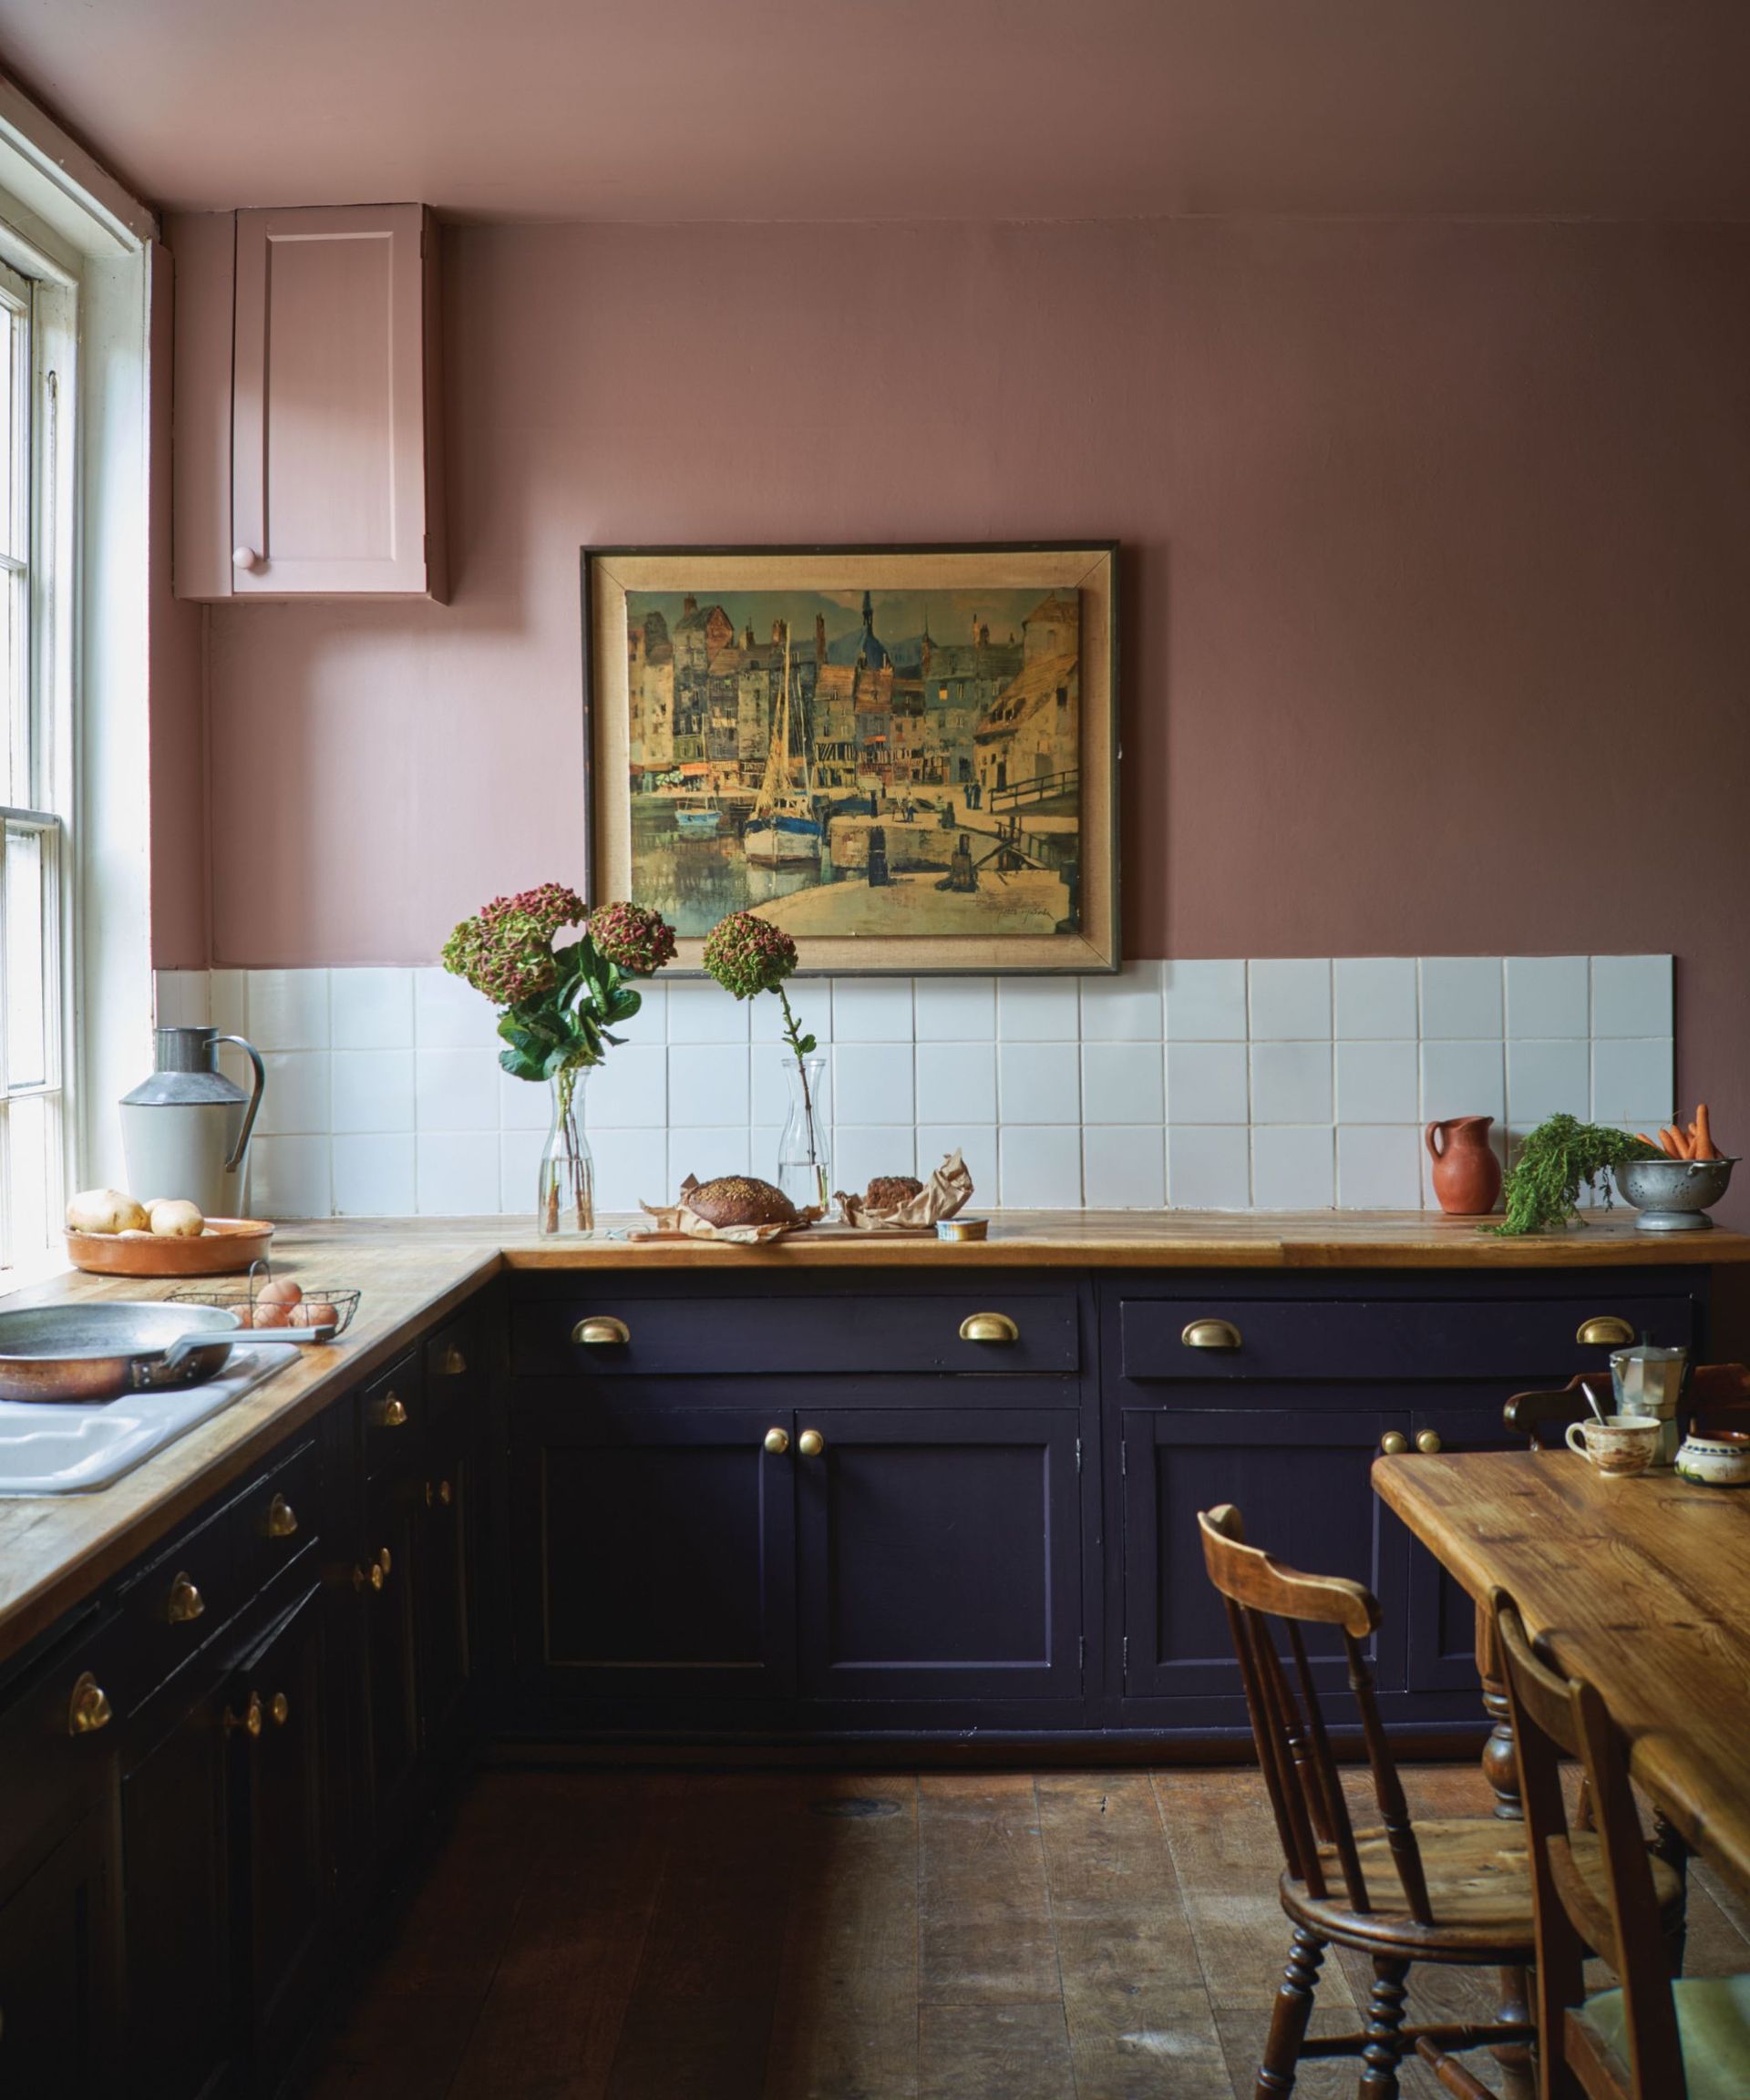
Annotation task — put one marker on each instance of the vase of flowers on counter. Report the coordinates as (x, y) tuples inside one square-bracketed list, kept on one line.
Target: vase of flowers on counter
[(748, 955), (559, 1004)]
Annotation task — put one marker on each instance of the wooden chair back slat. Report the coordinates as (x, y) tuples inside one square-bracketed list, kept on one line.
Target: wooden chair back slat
[(1288, 1723), (1718, 1396), (1556, 1716)]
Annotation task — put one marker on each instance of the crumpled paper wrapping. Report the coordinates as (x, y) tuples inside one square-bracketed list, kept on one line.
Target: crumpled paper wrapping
[(947, 1191), (680, 1218)]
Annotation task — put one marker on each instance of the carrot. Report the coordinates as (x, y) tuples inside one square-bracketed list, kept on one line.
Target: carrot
[(1705, 1148), (1641, 1138), (1673, 1142)]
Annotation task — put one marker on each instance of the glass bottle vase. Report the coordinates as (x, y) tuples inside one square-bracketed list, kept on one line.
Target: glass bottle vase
[(565, 1199), (803, 1172)]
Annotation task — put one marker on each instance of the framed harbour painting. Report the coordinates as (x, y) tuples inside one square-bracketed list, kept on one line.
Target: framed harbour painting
[(906, 758)]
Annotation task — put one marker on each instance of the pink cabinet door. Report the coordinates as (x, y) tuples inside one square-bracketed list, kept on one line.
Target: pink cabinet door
[(332, 478)]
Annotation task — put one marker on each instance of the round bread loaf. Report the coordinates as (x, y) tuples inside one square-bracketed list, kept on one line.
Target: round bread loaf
[(888, 1191), (740, 1199)]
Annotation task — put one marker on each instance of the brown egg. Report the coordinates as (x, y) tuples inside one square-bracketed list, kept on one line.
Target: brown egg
[(245, 1317), (315, 1312), (268, 1315), (279, 1294)]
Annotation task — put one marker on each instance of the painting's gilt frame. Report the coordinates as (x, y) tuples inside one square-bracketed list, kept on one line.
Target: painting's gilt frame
[(1088, 567)]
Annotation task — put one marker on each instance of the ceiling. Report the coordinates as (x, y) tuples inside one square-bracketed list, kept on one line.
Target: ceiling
[(823, 110)]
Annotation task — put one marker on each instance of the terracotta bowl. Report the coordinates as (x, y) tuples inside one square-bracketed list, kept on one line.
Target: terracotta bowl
[(227, 1248)]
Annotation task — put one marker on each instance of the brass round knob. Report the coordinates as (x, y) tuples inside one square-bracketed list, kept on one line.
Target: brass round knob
[(454, 1362), (811, 1443), (1604, 1330), (1393, 1442), (602, 1330), (1428, 1441), (88, 1709), (373, 1575), (1210, 1334), (392, 1414), (777, 1442), (279, 1709), (281, 1518), (249, 1720), (384, 1561), (185, 1602), (989, 1327)]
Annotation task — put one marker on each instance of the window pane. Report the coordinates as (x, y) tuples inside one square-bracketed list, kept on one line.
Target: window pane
[(15, 761), (27, 992), (32, 1173), (13, 334)]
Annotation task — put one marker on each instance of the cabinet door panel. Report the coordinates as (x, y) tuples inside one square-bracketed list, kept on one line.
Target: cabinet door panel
[(660, 1554), (446, 1651), (329, 468), (939, 1554), (1440, 1619), (53, 2030), (391, 1645), (1302, 1483), (287, 1853), (176, 1861)]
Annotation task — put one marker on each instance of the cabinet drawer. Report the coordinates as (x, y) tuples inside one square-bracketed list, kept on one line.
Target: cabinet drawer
[(204, 1576), (727, 1337), (392, 1408), (1393, 1338)]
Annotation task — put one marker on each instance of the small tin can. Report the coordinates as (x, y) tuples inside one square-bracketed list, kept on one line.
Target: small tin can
[(962, 1227)]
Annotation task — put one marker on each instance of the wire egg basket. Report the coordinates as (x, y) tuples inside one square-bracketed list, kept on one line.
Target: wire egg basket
[(317, 1306)]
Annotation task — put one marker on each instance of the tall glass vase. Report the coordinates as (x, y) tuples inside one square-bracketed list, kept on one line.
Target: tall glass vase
[(565, 1202), (804, 1173)]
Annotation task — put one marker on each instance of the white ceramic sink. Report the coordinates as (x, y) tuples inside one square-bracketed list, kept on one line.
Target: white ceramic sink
[(72, 1449)]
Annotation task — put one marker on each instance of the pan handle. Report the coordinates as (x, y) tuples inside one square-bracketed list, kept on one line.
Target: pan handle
[(149, 1372)]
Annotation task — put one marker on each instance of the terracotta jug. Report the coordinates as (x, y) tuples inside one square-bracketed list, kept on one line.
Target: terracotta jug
[(1467, 1174)]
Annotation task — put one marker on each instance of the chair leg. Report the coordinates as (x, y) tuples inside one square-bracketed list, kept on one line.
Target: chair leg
[(1288, 2021), (1384, 2024)]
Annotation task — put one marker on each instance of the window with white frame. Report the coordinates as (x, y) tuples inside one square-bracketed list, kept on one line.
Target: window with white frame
[(35, 767)]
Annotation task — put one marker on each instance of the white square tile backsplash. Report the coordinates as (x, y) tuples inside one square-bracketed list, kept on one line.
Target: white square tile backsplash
[(1283, 1083)]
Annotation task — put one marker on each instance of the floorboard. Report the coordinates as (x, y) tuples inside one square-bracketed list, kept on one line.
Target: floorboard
[(587, 1935)]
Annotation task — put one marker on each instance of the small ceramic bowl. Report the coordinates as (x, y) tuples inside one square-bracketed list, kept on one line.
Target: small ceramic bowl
[(1720, 1459)]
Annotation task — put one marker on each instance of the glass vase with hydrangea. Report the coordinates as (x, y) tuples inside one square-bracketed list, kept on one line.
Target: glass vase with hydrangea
[(559, 1004), (748, 955)]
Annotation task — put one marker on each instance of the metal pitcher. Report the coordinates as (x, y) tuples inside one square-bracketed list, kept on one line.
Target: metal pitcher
[(185, 1129)]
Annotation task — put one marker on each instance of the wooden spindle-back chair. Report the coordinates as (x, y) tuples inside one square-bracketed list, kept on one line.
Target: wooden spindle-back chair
[(1601, 1890), (1456, 1890)]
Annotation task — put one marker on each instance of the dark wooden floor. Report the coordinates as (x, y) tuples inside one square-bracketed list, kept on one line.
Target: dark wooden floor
[(1104, 1936)]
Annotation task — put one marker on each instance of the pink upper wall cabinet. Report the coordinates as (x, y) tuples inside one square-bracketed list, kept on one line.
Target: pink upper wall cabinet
[(322, 480)]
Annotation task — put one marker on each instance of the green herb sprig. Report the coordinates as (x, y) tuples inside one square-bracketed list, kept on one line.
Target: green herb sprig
[(1559, 1158)]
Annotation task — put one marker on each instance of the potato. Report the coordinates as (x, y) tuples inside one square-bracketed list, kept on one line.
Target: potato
[(173, 1218), (106, 1211)]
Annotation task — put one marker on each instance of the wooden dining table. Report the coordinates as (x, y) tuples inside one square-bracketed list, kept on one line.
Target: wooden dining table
[(1641, 1585)]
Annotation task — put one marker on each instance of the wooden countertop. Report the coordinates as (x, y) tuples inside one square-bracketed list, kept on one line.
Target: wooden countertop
[(56, 1550)]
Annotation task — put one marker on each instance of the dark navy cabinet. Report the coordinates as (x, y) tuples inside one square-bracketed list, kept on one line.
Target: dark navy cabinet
[(1275, 1394)]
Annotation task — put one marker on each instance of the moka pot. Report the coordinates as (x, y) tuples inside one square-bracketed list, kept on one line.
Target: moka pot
[(185, 1129)]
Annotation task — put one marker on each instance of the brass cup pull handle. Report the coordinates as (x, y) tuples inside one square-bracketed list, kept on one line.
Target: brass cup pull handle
[(282, 1520), (279, 1709), (989, 1327), (1210, 1334), (185, 1602), (88, 1709), (1428, 1441), (777, 1442), (601, 1331), (249, 1720), (1604, 1330), (393, 1412), (454, 1362), (1393, 1443), (811, 1443)]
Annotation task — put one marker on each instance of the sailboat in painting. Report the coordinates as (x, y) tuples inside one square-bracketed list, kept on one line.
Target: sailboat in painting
[(783, 829)]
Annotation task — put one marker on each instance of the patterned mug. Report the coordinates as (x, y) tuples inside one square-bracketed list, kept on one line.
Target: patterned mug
[(1618, 1446)]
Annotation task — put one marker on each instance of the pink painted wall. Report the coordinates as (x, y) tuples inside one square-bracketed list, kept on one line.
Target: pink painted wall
[(1436, 635)]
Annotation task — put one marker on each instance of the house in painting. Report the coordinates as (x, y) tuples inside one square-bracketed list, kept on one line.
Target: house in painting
[(1029, 736)]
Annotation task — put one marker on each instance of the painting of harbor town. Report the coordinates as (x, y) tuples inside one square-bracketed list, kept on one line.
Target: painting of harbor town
[(902, 758), (856, 762)]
